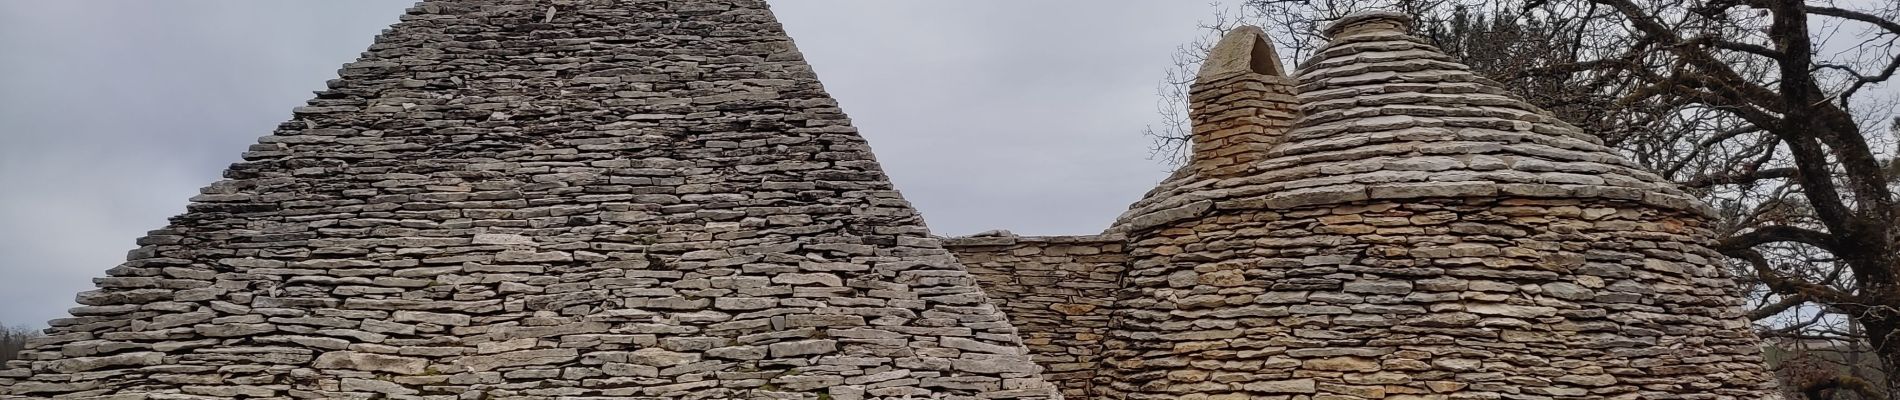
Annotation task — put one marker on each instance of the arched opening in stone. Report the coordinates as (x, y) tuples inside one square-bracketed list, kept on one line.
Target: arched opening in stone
[(1263, 60)]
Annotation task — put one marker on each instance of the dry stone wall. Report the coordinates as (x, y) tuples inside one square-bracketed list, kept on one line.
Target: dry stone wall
[(531, 199), (1432, 299), (1057, 290)]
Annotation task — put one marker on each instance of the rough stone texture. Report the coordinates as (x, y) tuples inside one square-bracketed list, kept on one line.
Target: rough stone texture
[(1241, 104), (1057, 291), (526, 199), (1390, 226)]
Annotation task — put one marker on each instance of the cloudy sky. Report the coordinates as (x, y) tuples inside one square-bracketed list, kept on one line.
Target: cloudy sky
[(989, 114)]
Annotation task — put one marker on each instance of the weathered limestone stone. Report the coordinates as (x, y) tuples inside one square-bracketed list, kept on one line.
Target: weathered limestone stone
[(371, 362), (1056, 290), (519, 358), (528, 199), (1286, 386), (1241, 102), (83, 364)]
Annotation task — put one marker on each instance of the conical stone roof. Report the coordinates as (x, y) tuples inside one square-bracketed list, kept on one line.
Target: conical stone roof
[(527, 199), (1385, 115), (1409, 230)]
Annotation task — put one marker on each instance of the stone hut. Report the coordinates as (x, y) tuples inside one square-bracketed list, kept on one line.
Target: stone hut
[(533, 199), (647, 199), (1383, 225)]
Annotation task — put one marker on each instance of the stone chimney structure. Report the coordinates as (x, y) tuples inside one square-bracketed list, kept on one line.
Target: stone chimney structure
[(645, 199), (1241, 103)]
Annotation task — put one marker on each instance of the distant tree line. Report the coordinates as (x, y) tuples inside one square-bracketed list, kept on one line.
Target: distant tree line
[(13, 340)]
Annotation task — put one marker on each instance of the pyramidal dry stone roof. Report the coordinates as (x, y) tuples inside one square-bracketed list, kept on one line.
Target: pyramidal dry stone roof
[(524, 199), (643, 199)]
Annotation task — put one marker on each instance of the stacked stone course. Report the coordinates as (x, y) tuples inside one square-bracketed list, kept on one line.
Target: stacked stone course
[(1241, 105), (533, 199), (1058, 291), (646, 199)]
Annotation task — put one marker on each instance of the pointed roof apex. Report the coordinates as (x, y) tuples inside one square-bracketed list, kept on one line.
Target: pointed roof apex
[(1370, 21), (1244, 49)]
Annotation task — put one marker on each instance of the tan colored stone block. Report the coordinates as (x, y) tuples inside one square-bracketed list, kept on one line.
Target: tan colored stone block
[(1348, 364)]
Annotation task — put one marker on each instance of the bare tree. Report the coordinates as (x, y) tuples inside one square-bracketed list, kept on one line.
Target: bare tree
[(1811, 208), (13, 340)]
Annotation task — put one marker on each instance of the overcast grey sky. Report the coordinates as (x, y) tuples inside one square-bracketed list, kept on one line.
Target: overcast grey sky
[(988, 114)]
